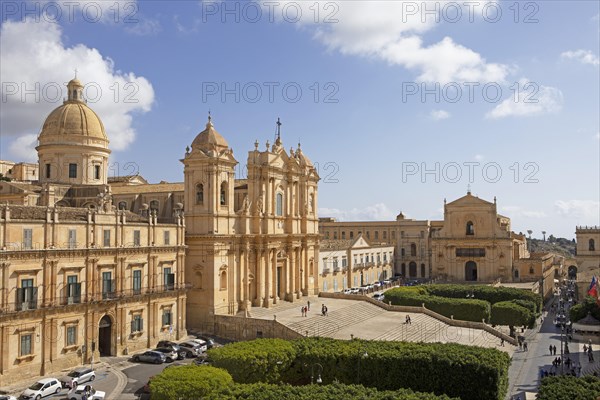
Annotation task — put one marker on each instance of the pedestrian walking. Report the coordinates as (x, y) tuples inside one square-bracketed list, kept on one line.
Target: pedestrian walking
[(554, 347), (502, 342), (308, 305), (326, 311), (302, 310), (520, 344), (584, 348), (323, 309), (525, 345), (550, 347)]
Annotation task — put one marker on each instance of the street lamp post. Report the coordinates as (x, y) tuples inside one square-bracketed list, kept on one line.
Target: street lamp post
[(319, 372)]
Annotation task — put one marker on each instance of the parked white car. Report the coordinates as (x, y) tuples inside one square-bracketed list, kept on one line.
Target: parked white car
[(91, 393), (42, 388), (78, 376), (378, 296), (201, 343)]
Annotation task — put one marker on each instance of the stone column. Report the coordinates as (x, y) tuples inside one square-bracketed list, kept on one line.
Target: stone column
[(268, 277), (292, 273), (4, 296)]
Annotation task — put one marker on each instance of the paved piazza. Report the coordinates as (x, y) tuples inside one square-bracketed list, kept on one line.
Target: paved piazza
[(367, 321)]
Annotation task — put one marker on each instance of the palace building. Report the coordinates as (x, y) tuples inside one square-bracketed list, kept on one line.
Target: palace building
[(473, 243), (80, 278)]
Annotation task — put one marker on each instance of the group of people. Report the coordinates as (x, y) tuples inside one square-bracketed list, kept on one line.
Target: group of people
[(552, 350), (522, 343), (408, 320), (305, 309)]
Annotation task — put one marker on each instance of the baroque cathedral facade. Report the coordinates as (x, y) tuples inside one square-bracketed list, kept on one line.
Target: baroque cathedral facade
[(92, 265)]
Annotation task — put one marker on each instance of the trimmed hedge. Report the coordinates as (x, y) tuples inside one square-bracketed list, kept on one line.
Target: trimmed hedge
[(463, 309), (260, 360), (579, 311), (569, 388), (511, 313), (468, 372), (485, 292), (335, 391), (192, 382), (188, 382)]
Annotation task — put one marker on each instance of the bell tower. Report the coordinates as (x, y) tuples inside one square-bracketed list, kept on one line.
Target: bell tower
[(209, 176)]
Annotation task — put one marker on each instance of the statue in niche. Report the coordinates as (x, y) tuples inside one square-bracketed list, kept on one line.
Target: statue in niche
[(245, 206), (259, 205)]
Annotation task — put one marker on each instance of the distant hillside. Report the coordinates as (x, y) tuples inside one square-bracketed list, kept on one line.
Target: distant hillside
[(560, 246)]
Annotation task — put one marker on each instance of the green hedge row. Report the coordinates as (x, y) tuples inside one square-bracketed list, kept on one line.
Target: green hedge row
[(484, 292), (191, 382), (569, 388), (581, 310), (512, 313), (460, 308), (468, 372)]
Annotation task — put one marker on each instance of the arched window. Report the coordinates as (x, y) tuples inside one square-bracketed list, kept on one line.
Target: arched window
[(422, 270), (223, 280), (122, 205), (470, 230), (224, 193), (592, 245), (413, 250), (279, 204), (154, 205), (199, 193)]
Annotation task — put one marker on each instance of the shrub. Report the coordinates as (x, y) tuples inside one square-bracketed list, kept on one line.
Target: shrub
[(579, 311), (511, 313), (569, 388), (260, 360), (459, 308), (335, 391), (188, 382), (487, 293), (440, 368)]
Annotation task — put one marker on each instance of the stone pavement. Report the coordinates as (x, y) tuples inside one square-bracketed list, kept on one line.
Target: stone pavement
[(360, 319)]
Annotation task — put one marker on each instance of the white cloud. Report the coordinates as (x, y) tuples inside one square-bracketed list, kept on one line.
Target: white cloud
[(145, 27), (376, 212), (22, 148), (390, 31), (586, 212), (517, 211), (583, 56), (530, 99), (439, 114), (35, 58)]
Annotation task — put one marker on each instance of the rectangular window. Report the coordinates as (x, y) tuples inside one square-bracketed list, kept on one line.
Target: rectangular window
[(96, 172), (72, 238), (137, 281), (107, 285), (72, 170), (26, 295), (137, 324), (47, 171), (168, 279), (344, 262), (167, 237), (25, 347), (71, 335), (167, 317), (106, 238), (136, 238), (351, 235), (73, 290), (27, 239)]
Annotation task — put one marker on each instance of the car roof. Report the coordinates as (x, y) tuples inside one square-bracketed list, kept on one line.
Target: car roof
[(46, 380), (82, 369)]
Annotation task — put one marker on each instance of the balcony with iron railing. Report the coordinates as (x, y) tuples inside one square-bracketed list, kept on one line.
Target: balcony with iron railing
[(30, 299)]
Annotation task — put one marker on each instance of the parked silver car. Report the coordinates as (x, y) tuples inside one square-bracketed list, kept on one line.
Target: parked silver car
[(77, 377), (191, 349)]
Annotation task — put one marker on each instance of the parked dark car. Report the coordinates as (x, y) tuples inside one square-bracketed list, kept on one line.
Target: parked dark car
[(172, 345), (150, 356)]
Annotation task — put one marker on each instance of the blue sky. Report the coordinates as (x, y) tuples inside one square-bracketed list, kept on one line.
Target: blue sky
[(362, 68)]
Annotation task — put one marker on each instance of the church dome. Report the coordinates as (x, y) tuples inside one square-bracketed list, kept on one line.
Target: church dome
[(73, 122), (209, 139)]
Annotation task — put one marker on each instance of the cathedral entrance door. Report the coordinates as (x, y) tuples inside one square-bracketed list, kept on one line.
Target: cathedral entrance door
[(470, 271)]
